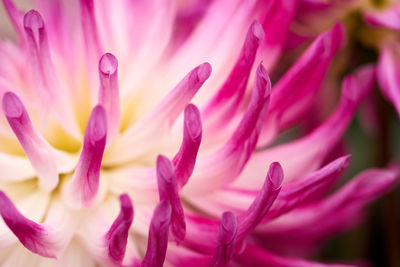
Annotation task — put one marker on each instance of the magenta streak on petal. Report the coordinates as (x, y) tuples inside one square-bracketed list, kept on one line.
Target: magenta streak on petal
[(117, 237), (307, 189), (16, 17), (109, 94), (32, 235), (185, 159), (168, 190), (262, 203), (163, 115), (248, 130), (35, 146), (226, 240), (234, 154), (231, 93), (389, 18), (86, 178), (89, 27), (158, 236), (297, 88)]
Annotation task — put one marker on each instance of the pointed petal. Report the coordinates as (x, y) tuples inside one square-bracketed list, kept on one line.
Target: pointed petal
[(158, 236), (168, 190), (84, 184), (185, 159), (35, 146), (16, 17), (117, 236)]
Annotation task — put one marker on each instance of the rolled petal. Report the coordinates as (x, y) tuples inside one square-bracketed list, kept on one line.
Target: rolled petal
[(337, 213), (33, 236), (109, 94), (295, 92), (35, 146), (158, 236), (159, 120), (224, 104), (302, 156), (117, 237), (262, 203), (185, 159), (84, 184), (50, 92), (168, 190), (232, 157), (226, 240)]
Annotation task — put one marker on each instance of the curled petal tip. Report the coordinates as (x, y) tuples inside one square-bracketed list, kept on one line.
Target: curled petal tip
[(203, 71), (116, 238), (226, 240), (257, 31), (229, 226), (193, 121), (12, 105), (108, 64), (33, 20), (275, 176), (97, 127)]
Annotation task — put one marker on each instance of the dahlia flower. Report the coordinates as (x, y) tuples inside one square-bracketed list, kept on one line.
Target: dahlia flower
[(121, 147)]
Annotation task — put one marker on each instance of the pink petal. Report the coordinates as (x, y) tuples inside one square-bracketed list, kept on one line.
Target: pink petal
[(158, 236), (185, 159), (226, 240), (223, 105), (35, 146), (233, 156), (388, 74), (168, 190), (89, 27), (389, 18), (109, 94), (85, 180), (16, 17), (117, 236), (159, 120), (33, 236)]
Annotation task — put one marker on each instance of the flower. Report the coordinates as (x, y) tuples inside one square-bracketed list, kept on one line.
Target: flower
[(104, 164)]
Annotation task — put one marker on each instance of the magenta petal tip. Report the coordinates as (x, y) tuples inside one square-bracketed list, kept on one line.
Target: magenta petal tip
[(12, 105), (257, 31), (275, 176), (33, 20), (108, 64), (203, 71)]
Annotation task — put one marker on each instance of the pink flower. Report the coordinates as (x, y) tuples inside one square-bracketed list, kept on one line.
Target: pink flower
[(105, 160)]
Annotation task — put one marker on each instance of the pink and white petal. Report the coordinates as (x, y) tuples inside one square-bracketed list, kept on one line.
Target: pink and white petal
[(302, 156), (234, 154), (337, 213), (302, 191), (145, 133)]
